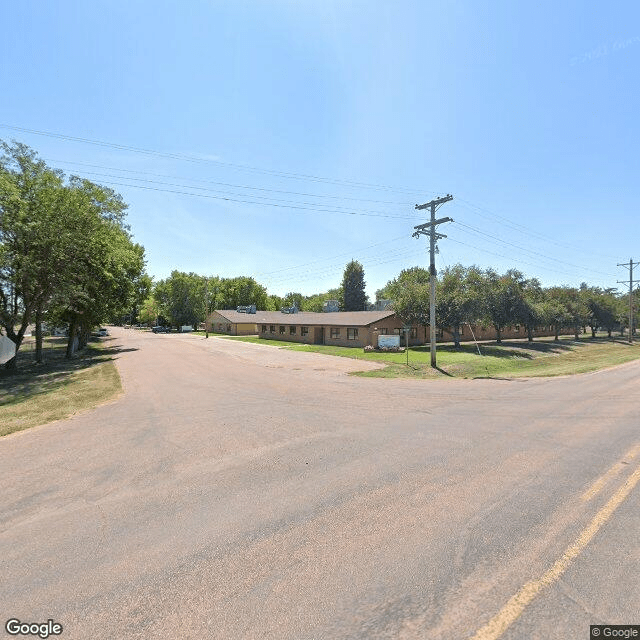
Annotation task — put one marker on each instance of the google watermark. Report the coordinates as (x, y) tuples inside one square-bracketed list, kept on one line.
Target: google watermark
[(40, 629), (604, 50), (598, 631)]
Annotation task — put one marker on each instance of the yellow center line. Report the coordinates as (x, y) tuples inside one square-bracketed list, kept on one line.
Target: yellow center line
[(597, 486), (516, 605)]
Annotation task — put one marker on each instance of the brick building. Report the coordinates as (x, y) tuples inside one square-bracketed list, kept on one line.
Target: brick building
[(345, 328)]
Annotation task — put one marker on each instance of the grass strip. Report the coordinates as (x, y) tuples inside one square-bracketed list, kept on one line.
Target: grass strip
[(39, 394), (511, 359)]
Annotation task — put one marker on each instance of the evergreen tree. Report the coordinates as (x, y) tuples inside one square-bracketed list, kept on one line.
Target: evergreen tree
[(354, 296)]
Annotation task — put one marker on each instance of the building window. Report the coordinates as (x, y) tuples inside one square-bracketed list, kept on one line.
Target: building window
[(414, 333), (335, 332), (282, 327), (518, 328), (228, 327), (292, 331), (264, 328), (304, 331), (384, 331), (397, 331), (272, 328), (352, 333)]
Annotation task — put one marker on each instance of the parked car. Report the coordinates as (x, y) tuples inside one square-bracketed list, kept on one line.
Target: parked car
[(160, 329)]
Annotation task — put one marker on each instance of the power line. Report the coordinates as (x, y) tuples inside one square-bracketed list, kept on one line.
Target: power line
[(522, 228), (521, 248), (267, 204), (501, 255), (191, 158), (340, 255), (225, 193), (385, 258), (227, 184)]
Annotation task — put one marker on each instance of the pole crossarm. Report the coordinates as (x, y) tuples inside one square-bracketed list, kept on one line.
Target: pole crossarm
[(435, 222), (435, 202), (438, 236)]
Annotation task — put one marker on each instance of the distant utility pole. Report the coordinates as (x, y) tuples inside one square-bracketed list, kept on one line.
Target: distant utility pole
[(631, 281), (429, 228), (206, 306)]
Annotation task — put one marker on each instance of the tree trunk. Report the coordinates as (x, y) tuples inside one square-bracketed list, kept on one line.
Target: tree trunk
[(456, 336), (593, 332), (557, 333), (498, 336), (71, 343), (609, 332), (529, 334), (39, 357), (576, 328)]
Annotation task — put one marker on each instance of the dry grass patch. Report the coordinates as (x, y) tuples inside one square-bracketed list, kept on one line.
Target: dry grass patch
[(39, 394)]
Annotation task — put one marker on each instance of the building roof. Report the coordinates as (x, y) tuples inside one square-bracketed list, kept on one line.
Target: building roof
[(335, 318)]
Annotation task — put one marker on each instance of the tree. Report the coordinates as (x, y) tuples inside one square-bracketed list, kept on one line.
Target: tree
[(32, 247), (149, 311), (353, 287), (65, 252), (530, 310), (411, 302), (316, 301), (504, 295), (293, 299), (458, 298), (107, 267), (181, 298), (393, 288)]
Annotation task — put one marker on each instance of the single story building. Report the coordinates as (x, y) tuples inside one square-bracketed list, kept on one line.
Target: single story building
[(339, 328), (345, 328)]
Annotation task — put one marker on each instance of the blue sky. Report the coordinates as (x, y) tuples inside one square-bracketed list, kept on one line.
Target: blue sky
[(284, 138)]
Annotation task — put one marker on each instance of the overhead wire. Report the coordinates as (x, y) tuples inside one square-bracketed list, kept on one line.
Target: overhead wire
[(233, 185), (230, 194), (192, 158), (521, 248), (268, 204), (521, 228), (254, 199)]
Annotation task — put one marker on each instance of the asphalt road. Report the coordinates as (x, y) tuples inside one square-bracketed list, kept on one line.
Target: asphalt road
[(241, 491)]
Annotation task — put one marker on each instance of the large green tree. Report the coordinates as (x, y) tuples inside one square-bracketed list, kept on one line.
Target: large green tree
[(504, 299), (459, 298), (393, 288), (181, 298), (65, 252), (353, 288), (32, 246)]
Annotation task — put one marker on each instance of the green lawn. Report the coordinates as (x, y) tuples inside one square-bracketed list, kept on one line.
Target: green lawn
[(40, 393), (511, 359)]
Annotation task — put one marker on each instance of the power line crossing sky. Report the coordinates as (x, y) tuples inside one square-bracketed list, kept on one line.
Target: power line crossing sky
[(282, 139)]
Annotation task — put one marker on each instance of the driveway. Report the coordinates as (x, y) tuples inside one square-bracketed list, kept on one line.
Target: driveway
[(243, 491)]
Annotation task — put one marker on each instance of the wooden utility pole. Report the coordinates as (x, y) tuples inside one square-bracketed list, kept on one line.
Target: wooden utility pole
[(429, 228), (631, 281)]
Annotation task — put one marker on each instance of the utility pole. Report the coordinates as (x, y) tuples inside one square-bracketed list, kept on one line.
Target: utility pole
[(429, 228), (206, 306), (631, 281)]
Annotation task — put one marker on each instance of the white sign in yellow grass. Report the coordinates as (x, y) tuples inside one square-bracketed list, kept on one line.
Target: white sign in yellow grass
[(7, 349)]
